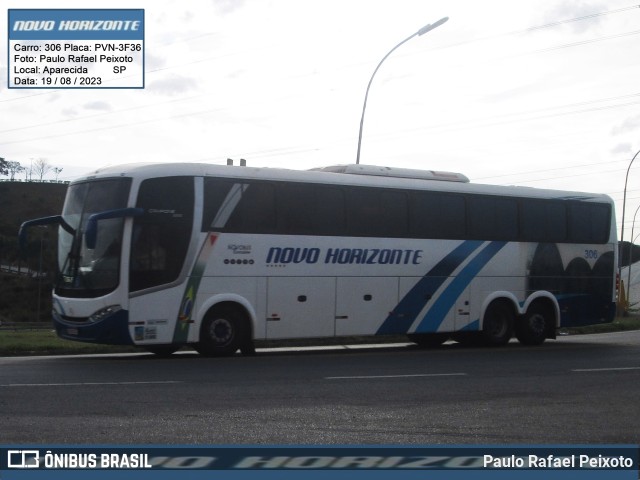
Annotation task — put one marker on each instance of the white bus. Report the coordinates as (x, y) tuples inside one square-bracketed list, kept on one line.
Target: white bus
[(167, 255)]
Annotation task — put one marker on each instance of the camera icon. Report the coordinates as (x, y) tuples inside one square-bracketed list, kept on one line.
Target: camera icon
[(23, 459)]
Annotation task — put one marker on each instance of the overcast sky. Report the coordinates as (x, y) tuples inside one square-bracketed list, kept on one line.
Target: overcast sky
[(542, 93)]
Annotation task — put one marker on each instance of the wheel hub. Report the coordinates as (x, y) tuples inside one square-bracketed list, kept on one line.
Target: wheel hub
[(221, 331)]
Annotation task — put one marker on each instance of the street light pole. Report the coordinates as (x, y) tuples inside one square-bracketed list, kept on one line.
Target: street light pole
[(624, 202), (633, 224), (422, 31), (624, 205)]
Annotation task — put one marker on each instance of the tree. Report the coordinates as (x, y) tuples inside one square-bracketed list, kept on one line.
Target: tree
[(3, 167), (57, 171), (28, 172), (14, 168), (41, 167)]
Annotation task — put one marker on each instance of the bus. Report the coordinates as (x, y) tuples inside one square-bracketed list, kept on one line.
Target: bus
[(216, 257)]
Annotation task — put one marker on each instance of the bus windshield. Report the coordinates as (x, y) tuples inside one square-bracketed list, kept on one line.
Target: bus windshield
[(94, 272)]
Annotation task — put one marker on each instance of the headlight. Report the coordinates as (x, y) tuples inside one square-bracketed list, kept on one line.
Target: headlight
[(104, 313)]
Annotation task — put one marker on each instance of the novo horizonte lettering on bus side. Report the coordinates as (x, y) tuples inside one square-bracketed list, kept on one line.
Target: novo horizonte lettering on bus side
[(345, 256)]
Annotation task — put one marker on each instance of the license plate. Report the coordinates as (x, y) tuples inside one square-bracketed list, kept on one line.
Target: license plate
[(72, 331)]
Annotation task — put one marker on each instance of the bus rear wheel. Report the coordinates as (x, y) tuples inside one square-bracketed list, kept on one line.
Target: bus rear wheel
[(497, 327), (222, 333), (532, 328)]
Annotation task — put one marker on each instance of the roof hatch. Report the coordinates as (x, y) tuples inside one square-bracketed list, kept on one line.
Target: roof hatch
[(374, 170)]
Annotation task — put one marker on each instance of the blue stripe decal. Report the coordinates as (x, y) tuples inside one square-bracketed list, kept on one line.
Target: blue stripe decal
[(436, 315), (400, 320), (472, 327)]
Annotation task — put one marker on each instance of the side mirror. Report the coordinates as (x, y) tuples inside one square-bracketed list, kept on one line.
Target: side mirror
[(91, 232), (22, 233)]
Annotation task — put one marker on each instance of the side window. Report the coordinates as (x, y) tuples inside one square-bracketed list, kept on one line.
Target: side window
[(161, 235), (217, 202), (308, 209), (589, 222), (255, 211), (543, 221), (437, 215), (377, 213), (493, 218)]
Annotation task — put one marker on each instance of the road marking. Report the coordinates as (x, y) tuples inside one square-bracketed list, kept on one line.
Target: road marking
[(84, 384), (618, 369), (356, 377)]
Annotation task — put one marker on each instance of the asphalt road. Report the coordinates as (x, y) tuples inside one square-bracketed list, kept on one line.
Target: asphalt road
[(583, 389)]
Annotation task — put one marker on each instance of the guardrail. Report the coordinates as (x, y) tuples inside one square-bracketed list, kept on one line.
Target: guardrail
[(24, 271), (16, 180)]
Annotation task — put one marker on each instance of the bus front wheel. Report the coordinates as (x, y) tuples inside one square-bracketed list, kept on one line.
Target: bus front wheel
[(222, 332)]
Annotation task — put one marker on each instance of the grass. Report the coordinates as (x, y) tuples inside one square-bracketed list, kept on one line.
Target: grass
[(23, 342), (46, 342), (618, 325)]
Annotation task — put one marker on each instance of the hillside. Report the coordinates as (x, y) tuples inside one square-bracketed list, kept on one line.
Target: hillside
[(20, 201), (23, 297)]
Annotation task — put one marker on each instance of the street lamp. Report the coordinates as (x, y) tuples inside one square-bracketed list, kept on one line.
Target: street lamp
[(624, 205), (422, 31), (633, 224)]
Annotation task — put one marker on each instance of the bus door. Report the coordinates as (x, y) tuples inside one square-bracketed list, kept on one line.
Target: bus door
[(160, 243)]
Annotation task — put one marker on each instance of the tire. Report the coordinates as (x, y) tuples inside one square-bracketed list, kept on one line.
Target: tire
[(428, 340), (534, 325), (222, 332), (497, 327), (162, 350)]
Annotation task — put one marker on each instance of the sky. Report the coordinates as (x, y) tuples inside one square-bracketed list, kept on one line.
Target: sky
[(537, 93)]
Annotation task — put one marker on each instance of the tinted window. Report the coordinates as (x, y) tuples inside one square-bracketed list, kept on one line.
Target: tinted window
[(437, 215), (291, 208), (161, 235), (376, 213), (308, 209), (216, 194), (255, 211), (543, 221), (493, 218), (588, 222), (239, 206)]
